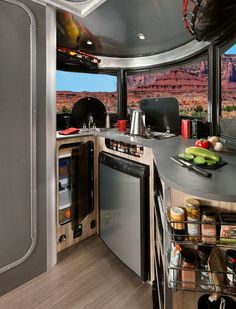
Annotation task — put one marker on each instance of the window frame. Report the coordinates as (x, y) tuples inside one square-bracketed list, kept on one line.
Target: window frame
[(197, 57), (221, 48), (77, 69)]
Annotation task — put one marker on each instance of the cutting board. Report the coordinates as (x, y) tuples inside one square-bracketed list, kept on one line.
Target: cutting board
[(208, 167)]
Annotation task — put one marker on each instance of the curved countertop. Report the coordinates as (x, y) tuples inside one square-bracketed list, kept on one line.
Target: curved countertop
[(221, 186)]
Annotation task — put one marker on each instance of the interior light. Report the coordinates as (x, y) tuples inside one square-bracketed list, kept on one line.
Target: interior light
[(89, 42), (141, 36)]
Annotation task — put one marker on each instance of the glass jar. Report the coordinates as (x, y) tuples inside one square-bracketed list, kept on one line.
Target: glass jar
[(188, 269), (132, 149), (193, 216), (208, 225), (177, 217), (193, 208), (114, 145), (193, 228), (126, 150)]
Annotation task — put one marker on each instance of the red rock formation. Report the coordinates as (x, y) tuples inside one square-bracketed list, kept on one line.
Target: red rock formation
[(228, 68), (189, 84)]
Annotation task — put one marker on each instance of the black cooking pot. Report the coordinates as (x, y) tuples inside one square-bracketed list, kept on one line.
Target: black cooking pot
[(86, 107)]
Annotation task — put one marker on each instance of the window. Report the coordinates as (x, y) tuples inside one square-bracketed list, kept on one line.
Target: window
[(228, 83), (187, 83), (73, 86)]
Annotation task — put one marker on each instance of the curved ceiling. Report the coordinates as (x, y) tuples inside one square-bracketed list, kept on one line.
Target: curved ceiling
[(113, 28)]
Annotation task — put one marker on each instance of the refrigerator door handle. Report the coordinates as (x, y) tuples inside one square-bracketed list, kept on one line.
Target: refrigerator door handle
[(82, 182)]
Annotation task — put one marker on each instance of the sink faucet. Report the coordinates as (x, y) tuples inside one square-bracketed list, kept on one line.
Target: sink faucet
[(167, 133), (90, 121)]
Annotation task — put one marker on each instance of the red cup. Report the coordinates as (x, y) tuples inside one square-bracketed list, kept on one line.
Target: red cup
[(186, 128), (122, 125)]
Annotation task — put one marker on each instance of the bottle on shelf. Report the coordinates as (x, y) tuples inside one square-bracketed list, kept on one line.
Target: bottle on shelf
[(193, 218), (203, 256), (177, 217), (188, 268)]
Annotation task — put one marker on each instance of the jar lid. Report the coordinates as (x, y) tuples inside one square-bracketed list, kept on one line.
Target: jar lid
[(177, 210), (188, 255), (204, 251), (192, 203)]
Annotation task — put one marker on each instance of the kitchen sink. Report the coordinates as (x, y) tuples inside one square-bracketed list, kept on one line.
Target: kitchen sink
[(150, 135)]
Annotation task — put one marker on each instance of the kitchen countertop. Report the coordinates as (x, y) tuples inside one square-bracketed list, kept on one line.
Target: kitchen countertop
[(221, 186)]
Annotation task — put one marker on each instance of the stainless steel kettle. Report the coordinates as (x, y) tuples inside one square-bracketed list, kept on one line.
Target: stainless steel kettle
[(137, 123)]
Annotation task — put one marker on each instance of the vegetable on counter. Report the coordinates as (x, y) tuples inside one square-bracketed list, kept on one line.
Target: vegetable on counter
[(211, 162), (218, 146), (203, 143), (204, 153), (186, 156), (199, 161), (213, 140), (216, 143)]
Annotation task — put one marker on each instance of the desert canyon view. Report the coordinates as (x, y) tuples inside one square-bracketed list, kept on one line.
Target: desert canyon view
[(188, 84)]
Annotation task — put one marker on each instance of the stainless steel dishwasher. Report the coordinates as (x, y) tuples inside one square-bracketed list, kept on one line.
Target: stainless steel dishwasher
[(124, 210)]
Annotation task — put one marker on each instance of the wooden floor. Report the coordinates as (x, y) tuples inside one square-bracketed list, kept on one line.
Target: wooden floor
[(87, 276)]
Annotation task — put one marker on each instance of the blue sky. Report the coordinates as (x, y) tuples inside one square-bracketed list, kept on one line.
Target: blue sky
[(232, 50), (72, 81)]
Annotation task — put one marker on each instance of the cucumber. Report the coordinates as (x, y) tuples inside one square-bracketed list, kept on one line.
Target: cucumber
[(199, 161), (204, 153), (187, 157), (211, 162)]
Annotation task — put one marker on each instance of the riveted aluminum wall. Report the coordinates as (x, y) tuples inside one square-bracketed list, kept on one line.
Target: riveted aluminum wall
[(23, 123)]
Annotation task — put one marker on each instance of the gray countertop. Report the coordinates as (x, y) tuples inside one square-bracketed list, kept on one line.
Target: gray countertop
[(221, 186)]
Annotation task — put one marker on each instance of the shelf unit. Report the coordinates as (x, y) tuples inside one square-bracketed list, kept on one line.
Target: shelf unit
[(126, 148), (64, 182), (177, 296), (217, 273)]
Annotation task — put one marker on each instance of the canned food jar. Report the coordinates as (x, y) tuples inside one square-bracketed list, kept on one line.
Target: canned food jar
[(193, 216), (193, 228), (193, 208)]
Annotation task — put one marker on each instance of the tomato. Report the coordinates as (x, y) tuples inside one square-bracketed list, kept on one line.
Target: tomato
[(203, 143)]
